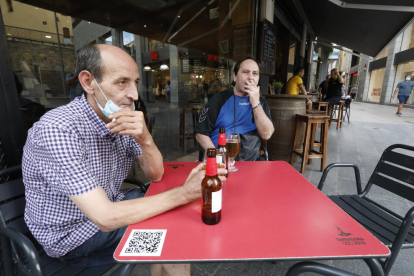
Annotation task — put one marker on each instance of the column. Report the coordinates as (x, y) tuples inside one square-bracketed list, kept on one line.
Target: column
[(174, 60), (142, 73), (364, 79), (390, 70)]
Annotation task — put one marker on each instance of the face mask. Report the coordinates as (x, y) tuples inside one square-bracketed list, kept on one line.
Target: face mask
[(408, 79), (110, 107)]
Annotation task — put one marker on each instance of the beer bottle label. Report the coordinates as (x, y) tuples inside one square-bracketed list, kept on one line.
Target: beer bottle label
[(219, 159), (216, 199), (222, 139)]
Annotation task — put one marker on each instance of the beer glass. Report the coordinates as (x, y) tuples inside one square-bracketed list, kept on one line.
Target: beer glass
[(233, 148)]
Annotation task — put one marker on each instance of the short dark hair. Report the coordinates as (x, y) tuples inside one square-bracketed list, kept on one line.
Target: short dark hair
[(89, 58), (237, 66), (297, 70)]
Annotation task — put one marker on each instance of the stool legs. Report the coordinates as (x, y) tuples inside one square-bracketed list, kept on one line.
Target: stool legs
[(293, 158), (324, 144), (305, 151)]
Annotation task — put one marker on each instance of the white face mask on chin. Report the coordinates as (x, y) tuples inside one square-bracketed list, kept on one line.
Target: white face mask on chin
[(110, 106), (408, 79)]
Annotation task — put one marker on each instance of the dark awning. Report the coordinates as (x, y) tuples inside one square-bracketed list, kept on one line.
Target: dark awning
[(362, 30)]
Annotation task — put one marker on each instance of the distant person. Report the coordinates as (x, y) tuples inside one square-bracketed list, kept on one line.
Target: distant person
[(73, 83), (323, 87), (403, 89), (168, 88), (354, 91), (334, 89), (295, 85)]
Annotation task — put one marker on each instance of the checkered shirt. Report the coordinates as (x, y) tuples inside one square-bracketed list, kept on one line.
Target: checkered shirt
[(70, 152)]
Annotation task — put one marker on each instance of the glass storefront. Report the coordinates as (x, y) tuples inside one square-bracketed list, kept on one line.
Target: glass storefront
[(375, 85), (408, 38), (403, 69)]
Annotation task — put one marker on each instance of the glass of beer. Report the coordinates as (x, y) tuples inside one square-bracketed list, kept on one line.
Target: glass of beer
[(233, 148)]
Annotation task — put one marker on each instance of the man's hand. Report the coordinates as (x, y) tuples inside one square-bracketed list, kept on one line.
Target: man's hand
[(254, 92), (130, 123), (192, 184)]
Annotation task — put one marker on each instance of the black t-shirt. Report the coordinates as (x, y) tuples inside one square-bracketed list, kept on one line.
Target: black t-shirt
[(324, 86), (334, 88), (219, 112)]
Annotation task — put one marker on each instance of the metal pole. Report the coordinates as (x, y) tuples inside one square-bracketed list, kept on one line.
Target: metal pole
[(61, 57)]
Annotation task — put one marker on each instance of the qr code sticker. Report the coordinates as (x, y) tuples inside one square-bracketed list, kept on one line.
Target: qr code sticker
[(144, 243)]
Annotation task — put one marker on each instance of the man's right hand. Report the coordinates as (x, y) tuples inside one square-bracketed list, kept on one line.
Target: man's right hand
[(192, 184)]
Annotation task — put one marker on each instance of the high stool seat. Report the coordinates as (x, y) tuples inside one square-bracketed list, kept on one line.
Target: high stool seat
[(308, 152), (339, 106), (184, 133), (322, 106)]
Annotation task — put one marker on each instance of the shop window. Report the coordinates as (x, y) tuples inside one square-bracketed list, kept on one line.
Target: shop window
[(382, 54), (375, 85), (408, 38), (403, 69)]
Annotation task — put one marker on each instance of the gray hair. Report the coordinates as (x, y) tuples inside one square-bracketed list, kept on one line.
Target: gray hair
[(89, 58)]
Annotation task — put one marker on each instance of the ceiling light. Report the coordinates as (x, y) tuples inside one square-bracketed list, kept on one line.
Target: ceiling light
[(147, 68), (153, 70), (164, 67), (48, 36), (145, 26), (89, 22), (178, 16)]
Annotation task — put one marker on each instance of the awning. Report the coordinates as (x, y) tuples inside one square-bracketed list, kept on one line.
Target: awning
[(363, 30)]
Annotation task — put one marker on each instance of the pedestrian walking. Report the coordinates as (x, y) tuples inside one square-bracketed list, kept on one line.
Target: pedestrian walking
[(403, 89)]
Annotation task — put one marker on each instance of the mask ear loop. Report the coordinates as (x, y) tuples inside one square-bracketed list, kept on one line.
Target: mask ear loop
[(114, 119)]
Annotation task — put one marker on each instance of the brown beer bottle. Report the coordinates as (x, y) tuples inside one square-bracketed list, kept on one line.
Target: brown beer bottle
[(222, 153), (211, 196)]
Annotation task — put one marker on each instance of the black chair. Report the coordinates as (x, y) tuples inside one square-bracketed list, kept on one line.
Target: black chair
[(21, 253), (347, 109), (394, 173)]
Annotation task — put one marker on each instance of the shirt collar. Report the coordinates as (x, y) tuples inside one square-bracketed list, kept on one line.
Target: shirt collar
[(93, 118)]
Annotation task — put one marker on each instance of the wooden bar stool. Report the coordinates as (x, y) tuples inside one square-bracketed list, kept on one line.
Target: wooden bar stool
[(308, 151), (339, 106), (184, 134), (322, 104)]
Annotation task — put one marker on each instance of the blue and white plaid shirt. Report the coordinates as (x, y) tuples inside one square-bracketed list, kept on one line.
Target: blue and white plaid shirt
[(70, 152)]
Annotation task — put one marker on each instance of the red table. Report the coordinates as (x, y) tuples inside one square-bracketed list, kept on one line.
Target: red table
[(270, 212)]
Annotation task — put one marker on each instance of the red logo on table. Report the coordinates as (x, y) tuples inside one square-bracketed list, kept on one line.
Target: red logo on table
[(348, 241), (175, 166)]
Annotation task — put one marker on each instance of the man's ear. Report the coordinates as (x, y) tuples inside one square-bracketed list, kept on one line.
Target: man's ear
[(85, 79), (234, 77)]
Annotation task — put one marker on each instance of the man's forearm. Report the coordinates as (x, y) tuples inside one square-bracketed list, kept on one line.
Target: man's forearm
[(204, 141), (109, 216), (264, 125), (151, 160)]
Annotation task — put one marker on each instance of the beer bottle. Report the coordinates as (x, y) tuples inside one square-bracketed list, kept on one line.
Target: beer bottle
[(222, 153), (211, 191)]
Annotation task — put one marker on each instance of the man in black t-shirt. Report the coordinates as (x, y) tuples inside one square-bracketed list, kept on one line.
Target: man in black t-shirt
[(323, 87)]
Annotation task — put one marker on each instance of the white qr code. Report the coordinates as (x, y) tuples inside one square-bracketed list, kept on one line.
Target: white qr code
[(144, 243)]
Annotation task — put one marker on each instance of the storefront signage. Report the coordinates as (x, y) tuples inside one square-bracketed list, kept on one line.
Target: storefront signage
[(334, 54), (185, 66), (267, 46), (211, 57), (154, 55)]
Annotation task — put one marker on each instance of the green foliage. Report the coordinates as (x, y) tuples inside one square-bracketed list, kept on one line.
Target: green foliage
[(278, 84)]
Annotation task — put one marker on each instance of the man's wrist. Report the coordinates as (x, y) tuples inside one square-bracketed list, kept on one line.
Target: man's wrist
[(256, 106)]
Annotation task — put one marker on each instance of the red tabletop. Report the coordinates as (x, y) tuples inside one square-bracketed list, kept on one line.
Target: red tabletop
[(269, 211)]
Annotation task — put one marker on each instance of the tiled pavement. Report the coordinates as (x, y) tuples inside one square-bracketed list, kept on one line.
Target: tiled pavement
[(372, 128)]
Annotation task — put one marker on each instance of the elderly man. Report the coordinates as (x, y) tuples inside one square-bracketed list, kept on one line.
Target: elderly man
[(239, 109), (77, 156)]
